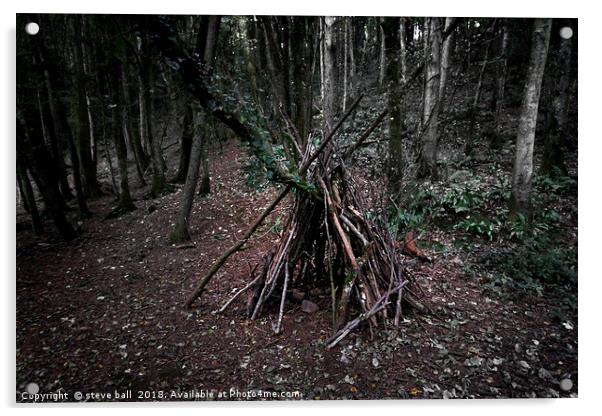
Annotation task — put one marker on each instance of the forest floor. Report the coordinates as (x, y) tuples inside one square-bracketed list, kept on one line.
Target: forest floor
[(105, 312)]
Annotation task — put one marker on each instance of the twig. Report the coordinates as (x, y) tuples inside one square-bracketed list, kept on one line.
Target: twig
[(240, 292), (283, 297)]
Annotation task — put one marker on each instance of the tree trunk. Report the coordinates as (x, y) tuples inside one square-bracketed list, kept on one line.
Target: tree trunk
[(301, 78), (159, 184), (500, 84), (205, 186), (428, 153), (470, 139), (345, 55), (390, 30), (132, 137), (553, 155), (403, 49), (185, 143), (82, 124), (382, 56), (180, 232), (448, 45), (31, 149), (28, 197), (523, 162), (329, 75), (55, 142), (119, 124)]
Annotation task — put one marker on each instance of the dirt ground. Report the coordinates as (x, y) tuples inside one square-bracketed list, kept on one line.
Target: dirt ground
[(104, 313)]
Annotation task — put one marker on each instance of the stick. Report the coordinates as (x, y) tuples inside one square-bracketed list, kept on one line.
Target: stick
[(377, 307), (283, 297), (240, 292), (220, 262)]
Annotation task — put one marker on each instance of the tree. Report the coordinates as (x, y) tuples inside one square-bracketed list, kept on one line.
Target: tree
[(523, 161), (390, 31), (31, 149), (159, 185), (557, 109), (329, 81), (448, 46), (500, 83), (430, 115), (28, 196), (119, 124), (209, 40), (80, 111)]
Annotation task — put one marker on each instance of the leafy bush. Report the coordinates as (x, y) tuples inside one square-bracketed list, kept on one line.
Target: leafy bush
[(479, 225)]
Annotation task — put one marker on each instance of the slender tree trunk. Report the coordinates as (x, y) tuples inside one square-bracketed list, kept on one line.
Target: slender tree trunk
[(329, 75), (345, 59), (301, 78), (54, 140), (126, 203), (429, 147), (109, 161), (390, 30), (181, 232), (468, 149), (448, 46), (403, 49), (82, 124), (205, 185), (382, 57), (553, 154), (159, 185), (500, 84), (185, 143), (132, 137), (28, 197), (523, 162)]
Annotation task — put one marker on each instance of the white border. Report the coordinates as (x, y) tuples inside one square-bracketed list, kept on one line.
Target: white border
[(590, 155)]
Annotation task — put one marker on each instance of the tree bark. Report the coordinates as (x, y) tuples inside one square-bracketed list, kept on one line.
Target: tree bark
[(428, 152), (403, 49), (390, 30), (500, 83), (470, 139), (553, 155), (382, 54), (119, 124), (185, 144), (82, 123), (28, 197), (31, 149), (159, 185), (448, 45), (133, 138), (329, 75), (523, 161)]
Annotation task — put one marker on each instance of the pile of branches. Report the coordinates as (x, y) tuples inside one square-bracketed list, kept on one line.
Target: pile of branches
[(328, 243)]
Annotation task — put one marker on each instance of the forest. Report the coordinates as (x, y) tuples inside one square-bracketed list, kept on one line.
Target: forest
[(295, 207)]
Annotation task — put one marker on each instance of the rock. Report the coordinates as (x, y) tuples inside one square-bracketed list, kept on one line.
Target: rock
[(297, 295), (308, 306)]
